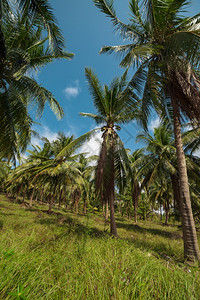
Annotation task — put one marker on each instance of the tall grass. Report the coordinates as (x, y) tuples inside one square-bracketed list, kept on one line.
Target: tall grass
[(64, 256)]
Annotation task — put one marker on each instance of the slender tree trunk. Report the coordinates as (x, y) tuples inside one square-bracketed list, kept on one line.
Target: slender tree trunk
[(176, 193), (160, 212), (191, 247), (113, 227), (76, 196), (31, 199), (103, 209), (166, 211), (50, 204), (41, 196), (18, 192), (107, 210), (166, 217), (60, 199), (135, 197), (24, 196)]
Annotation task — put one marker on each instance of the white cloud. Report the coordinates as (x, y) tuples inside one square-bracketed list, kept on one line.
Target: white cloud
[(50, 135), (154, 124), (73, 90), (92, 147), (197, 152), (36, 141), (44, 132)]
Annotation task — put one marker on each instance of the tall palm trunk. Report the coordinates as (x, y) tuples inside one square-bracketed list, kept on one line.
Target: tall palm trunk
[(191, 247), (176, 193), (18, 192), (105, 207), (135, 198), (31, 199), (113, 227), (107, 211), (50, 200), (41, 196), (166, 211), (60, 198)]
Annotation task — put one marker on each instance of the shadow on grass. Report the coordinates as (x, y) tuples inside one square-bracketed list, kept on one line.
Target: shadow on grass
[(83, 230), (136, 228), (71, 225), (6, 214), (161, 249)]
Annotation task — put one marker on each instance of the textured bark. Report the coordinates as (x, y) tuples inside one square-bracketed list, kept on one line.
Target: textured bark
[(18, 192), (76, 197), (160, 212), (31, 199), (24, 196), (60, 199), (50, 204), (176, 192), (41, 196), (103, 209), (107, 211), (113, 227), (135, 197), (191, 247), (166, 211)]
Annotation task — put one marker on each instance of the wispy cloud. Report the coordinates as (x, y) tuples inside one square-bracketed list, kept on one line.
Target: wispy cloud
[(72, 91), (92, 147), (154, 124), (46, 132)]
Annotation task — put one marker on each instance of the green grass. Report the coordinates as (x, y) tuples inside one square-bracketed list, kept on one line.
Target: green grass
[(64, 256)]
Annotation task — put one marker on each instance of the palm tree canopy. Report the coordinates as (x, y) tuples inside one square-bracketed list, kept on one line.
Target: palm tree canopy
[(114, 104), (27, 52), (36, 12), (164, 46)]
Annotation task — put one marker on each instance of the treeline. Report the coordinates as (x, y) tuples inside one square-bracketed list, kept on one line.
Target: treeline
[(163, 47)]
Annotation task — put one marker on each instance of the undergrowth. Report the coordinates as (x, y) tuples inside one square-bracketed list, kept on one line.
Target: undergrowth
[(68, 256)]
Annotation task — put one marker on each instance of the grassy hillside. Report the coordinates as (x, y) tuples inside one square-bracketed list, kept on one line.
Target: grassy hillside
[(65, 256)]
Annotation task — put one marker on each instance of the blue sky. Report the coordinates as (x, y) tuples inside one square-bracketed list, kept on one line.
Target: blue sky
[(86, 30)]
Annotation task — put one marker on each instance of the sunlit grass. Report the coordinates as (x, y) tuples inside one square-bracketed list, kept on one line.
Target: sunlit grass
[(65, 256)]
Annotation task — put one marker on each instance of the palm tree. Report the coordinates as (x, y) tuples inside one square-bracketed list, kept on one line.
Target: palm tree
[(36, 12), (136, 159), (165, 49), (87, 168), (111, 104), (26, 52)]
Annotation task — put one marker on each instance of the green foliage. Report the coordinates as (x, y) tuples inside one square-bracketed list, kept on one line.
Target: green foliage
[(65, 256), (19, 294), (26, 53)]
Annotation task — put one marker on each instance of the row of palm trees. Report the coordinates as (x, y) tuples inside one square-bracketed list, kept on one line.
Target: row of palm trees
[(163, 46), (164, 50), (59, 173), (56, 174)]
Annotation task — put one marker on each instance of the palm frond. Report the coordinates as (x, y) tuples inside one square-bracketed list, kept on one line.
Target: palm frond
[(98, 119), (42, 10), (96, 91), (126, 31)]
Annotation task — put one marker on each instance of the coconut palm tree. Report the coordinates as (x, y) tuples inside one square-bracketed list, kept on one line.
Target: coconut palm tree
[(112, 106), (164, 47), (36, 12), (136, 159), (160, 193), (26, 52)]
